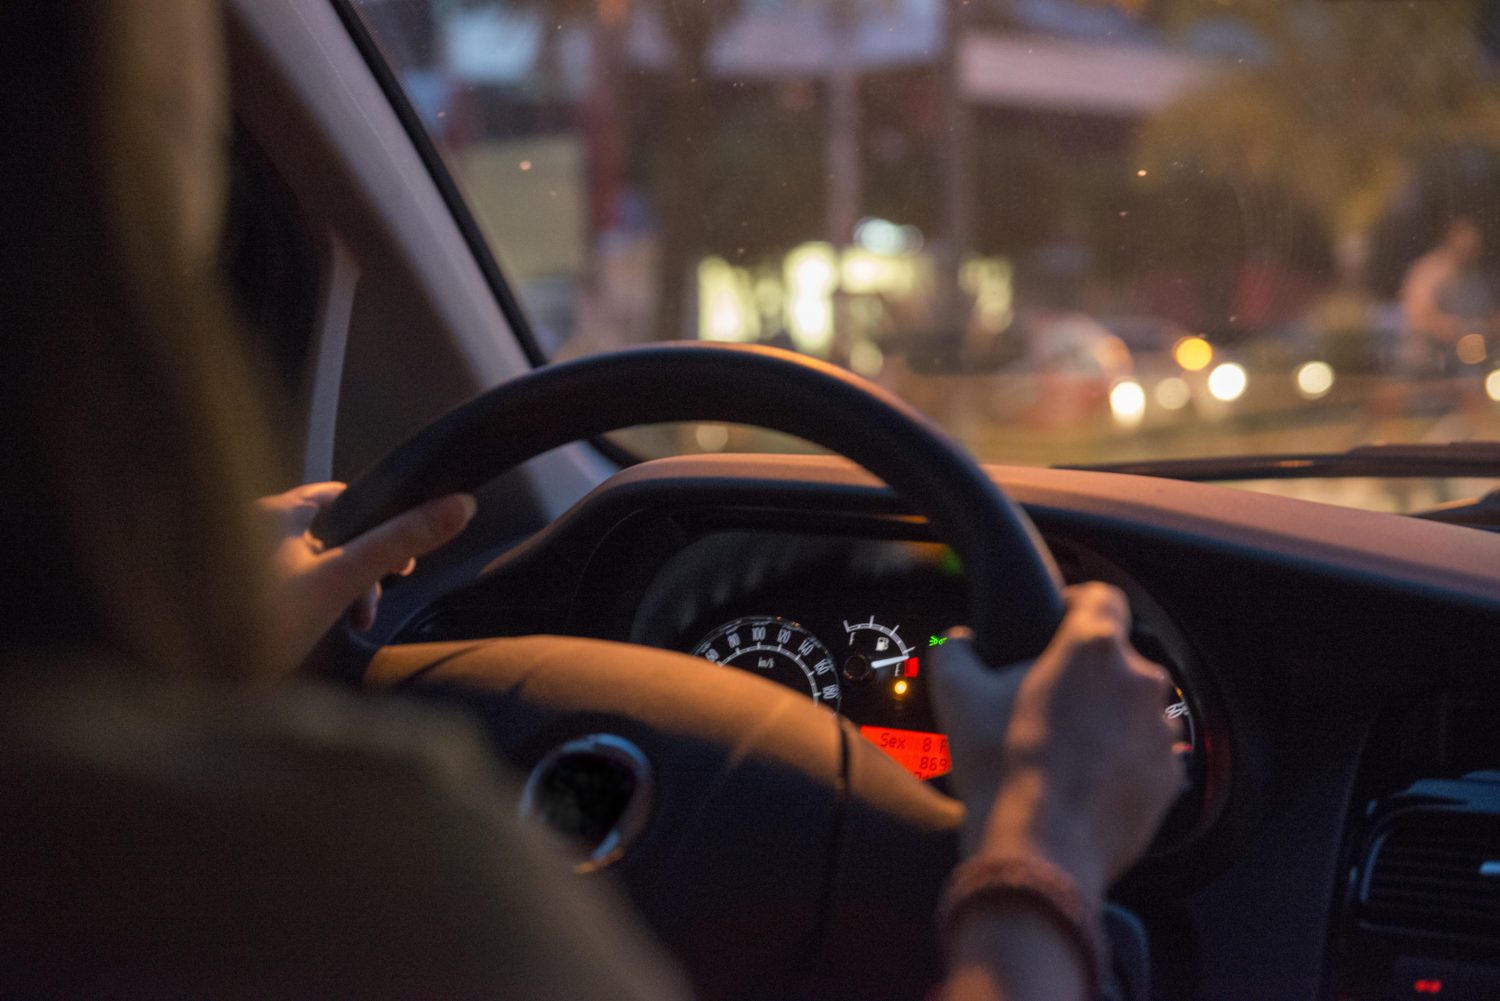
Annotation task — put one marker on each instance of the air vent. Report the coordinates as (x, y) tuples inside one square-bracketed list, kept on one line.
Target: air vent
[(1436, 871)]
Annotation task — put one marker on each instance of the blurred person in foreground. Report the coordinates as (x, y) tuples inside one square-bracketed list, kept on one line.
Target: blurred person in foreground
[(179, 814)]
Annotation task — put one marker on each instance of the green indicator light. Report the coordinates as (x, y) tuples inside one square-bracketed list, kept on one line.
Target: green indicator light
[(949, 564), (936, 640)]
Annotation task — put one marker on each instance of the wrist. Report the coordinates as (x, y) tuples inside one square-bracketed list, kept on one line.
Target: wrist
[(1013, 952), (1026, 821), (991, 898)]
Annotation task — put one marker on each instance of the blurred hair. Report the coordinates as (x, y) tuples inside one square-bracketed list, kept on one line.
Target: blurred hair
[(135, 434)]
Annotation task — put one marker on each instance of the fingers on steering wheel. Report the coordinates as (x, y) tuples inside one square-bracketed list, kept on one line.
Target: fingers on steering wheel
[(294, 510), (969, 697), (389, 547), (320, 494)]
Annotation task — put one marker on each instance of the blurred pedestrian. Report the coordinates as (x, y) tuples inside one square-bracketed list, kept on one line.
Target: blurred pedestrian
[(1448, 320)]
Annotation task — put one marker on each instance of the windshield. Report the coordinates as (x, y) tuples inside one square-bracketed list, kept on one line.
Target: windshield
[(1069, 231)]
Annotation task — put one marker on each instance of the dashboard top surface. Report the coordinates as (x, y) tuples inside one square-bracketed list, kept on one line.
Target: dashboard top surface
[(1460, 562)]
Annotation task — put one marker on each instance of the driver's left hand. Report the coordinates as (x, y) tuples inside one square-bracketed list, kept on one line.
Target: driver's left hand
[(312, 585)]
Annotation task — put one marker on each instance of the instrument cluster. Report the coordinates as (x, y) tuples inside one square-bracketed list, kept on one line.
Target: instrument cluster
[(870, 669), (853, 623)]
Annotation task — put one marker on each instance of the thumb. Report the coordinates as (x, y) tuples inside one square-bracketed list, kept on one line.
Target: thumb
[(968, 695), (973, 703), (348, 571), (954, 670)]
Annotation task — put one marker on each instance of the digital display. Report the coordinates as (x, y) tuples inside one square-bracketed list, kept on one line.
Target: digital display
[(923, 754)]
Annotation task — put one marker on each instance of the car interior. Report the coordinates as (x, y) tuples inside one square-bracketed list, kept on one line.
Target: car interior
[(788, 838)]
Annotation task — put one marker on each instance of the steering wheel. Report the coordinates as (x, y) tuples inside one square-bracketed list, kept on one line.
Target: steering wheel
[(782, 853)]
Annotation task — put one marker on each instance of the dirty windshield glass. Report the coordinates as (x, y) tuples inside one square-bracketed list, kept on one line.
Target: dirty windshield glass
[(1069, 231)]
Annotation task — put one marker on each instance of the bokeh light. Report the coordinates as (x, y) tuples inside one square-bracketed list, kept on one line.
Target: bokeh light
[(1127, 401), (1193, 353), (1173, 393), (1470, 349), (1492, 385), (711, 437), (1227, 382), (1314, 379)]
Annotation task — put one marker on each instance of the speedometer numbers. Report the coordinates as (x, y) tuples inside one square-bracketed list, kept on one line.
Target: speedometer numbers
[(784, 651), (778, 649)]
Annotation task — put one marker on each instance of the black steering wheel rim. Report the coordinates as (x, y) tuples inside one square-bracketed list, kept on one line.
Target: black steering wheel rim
[(1015, 600)]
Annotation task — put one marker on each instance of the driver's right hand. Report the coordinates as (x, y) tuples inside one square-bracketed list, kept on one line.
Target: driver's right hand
[(1071, 758)]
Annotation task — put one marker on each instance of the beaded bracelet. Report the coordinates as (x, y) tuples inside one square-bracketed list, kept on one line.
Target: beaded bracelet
[(990, 879)]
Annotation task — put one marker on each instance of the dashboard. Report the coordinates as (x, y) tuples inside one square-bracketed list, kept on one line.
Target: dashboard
[(1330, 663), (853, 622), (849, 622)]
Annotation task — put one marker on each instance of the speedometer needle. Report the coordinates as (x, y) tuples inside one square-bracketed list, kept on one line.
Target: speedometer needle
[(878, 664)]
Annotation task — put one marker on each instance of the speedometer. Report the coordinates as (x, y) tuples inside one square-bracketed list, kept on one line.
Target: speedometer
[(778, 649)]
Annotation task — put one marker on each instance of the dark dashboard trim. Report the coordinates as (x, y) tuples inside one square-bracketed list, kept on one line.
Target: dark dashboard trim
[(1450, 562)]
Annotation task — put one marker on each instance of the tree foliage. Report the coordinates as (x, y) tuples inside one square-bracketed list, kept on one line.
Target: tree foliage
[(1346, 102)]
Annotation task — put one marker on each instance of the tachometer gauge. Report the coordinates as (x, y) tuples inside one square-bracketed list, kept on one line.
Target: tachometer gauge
[(778, 649), (876, 652)]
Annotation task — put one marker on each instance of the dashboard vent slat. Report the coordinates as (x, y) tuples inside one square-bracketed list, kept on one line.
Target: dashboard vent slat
[(1424, 875)]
